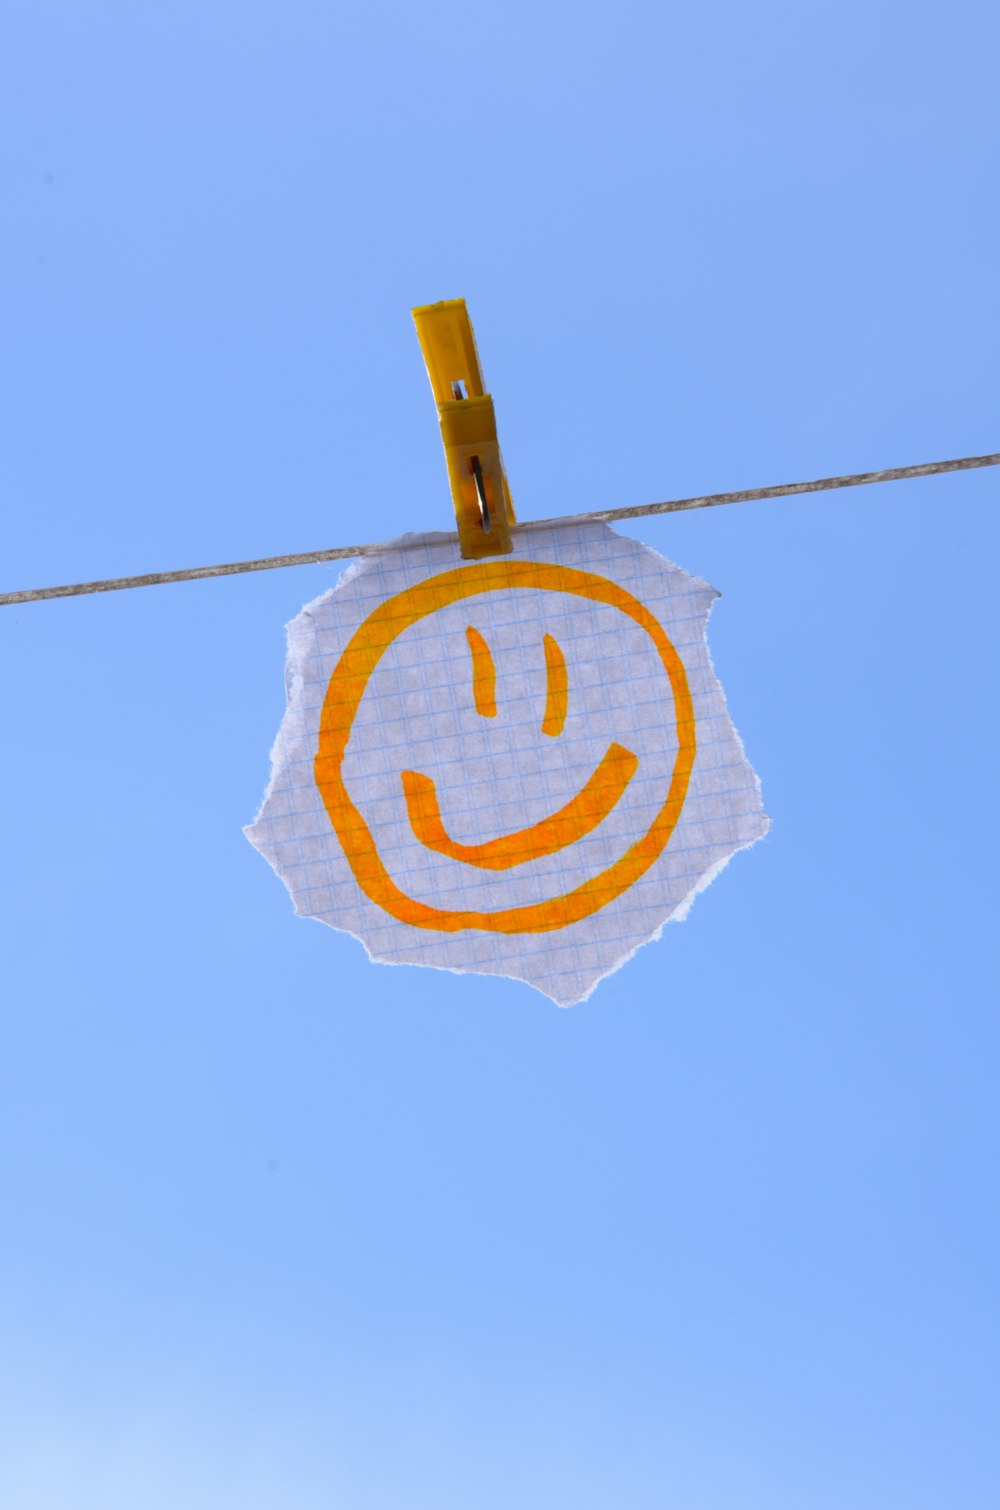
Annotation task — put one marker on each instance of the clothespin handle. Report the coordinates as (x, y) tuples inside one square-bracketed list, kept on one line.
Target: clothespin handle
[(479, 489)]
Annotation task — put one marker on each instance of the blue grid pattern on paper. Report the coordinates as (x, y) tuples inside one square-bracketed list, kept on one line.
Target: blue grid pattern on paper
[(496, 776)]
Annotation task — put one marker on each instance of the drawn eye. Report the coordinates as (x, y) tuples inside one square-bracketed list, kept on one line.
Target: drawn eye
[(484, 681), (484, 674), (556, 688)]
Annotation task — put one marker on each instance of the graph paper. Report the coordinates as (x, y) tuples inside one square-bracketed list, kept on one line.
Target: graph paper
[(522, 766)]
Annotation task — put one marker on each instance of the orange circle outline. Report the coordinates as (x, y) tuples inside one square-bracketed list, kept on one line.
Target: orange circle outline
[(347, 686)]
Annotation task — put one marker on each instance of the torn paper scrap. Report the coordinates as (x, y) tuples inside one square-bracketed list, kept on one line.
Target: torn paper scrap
[(519, 766)]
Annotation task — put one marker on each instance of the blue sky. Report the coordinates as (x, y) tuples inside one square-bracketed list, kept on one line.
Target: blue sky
[(284, 1228)]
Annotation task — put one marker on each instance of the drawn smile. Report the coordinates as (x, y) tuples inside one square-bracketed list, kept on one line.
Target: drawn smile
[(588, 808)]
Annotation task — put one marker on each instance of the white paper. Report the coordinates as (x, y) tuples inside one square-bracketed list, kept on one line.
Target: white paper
[(526, 766)]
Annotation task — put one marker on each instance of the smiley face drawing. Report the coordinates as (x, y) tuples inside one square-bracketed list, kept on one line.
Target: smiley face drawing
[(519, 766)]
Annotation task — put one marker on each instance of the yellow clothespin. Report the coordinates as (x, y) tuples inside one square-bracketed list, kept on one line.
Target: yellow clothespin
[(479, 488)]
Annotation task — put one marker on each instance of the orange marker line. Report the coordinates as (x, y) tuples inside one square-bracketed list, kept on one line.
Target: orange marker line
[(484, 674), (557, 688), (589, 807), (347, 687)]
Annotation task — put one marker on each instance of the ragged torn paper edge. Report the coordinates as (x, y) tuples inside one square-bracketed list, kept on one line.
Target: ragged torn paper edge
[(678, 914)]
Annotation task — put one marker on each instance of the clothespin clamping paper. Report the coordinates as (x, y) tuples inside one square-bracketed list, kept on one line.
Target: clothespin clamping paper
[(479, 488)]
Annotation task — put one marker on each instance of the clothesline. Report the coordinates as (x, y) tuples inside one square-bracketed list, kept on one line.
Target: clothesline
[(606, 516)]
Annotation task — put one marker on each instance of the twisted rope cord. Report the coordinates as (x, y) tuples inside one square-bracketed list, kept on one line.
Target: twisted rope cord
[(604, 516)]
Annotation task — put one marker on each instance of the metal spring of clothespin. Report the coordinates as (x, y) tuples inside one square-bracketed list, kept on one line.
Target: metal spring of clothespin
[(479, 490)]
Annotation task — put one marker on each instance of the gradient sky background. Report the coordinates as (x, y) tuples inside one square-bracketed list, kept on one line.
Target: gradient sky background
[(285, 1229)]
